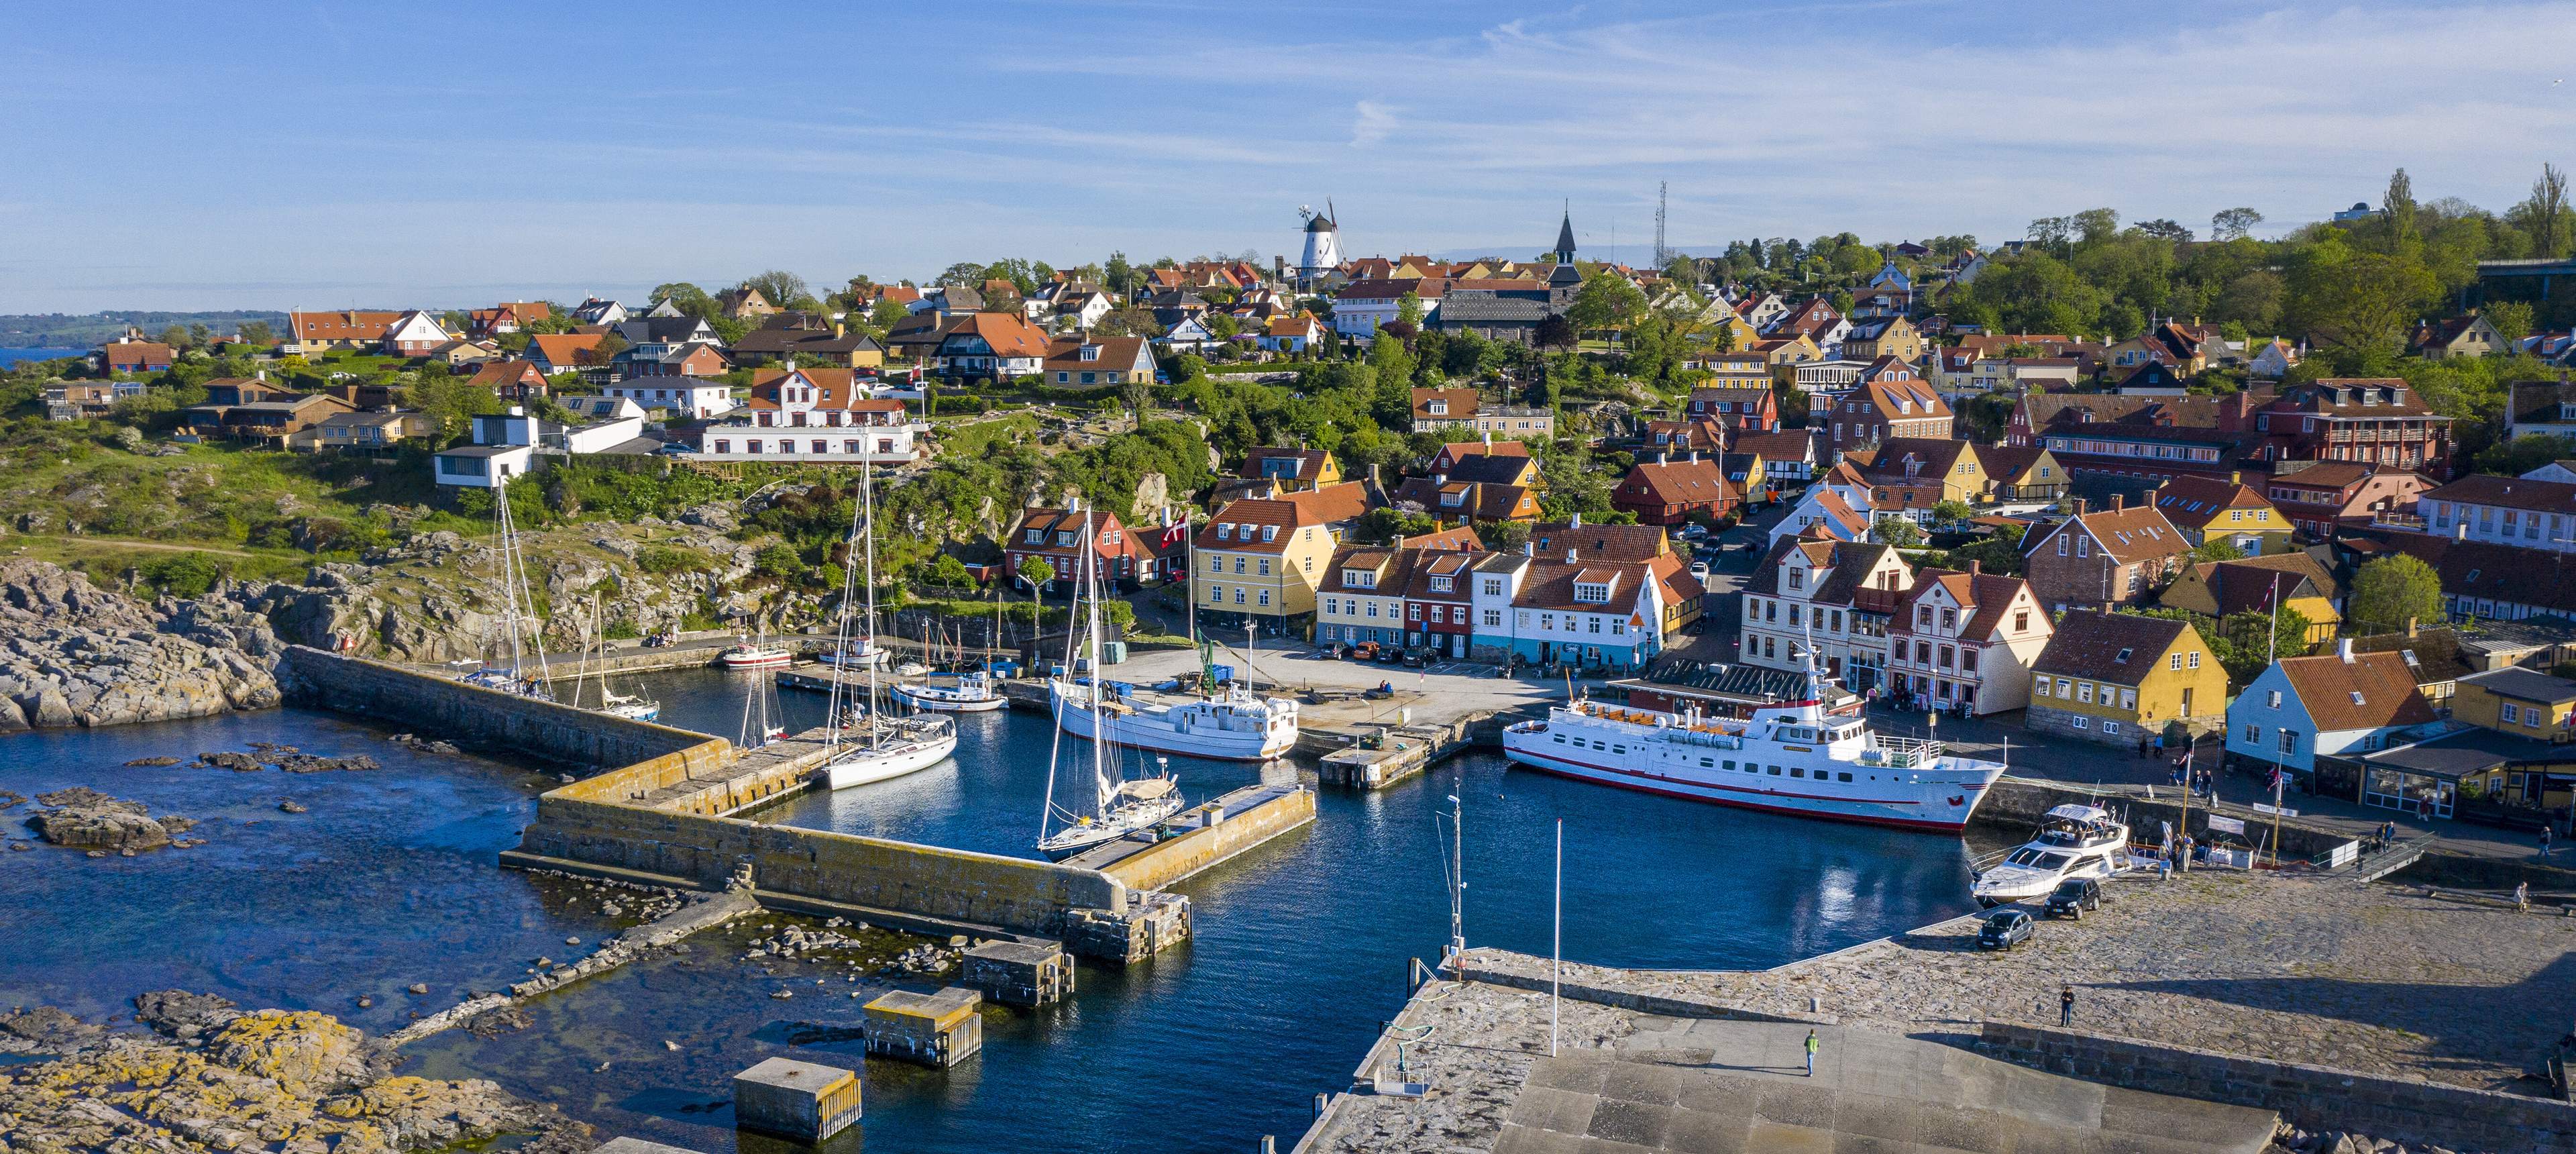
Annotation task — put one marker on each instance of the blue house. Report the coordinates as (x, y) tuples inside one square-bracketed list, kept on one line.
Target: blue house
[(2335, 703)]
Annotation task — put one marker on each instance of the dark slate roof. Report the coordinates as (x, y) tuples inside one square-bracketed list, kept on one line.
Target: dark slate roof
[(2090, 646), (2469, 751), (2523, 685), (1565, 234), (1741, 684), (1488, 310)]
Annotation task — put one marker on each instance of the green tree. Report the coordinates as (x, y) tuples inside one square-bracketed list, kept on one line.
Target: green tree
[(949, 573), (2388, 592), (1949, 512), (453, 401), (1606, 301), (1897, 531), (1036, 572), (2254, 641), (1393, 403), (2353, 299), (255, 332), (2233, 223), (1408, 308), (2216, 549), (2512, 319)]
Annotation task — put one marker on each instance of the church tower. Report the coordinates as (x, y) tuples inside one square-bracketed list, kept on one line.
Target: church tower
[(1565, 278)]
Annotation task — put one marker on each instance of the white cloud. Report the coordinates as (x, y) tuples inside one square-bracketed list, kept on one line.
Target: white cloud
[(1373, 123)]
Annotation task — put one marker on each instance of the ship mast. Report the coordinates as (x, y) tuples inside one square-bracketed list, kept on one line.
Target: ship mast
[(1091, 647)]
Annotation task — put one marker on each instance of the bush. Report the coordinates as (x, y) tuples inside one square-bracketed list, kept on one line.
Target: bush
[(672, 559), (186, 575)]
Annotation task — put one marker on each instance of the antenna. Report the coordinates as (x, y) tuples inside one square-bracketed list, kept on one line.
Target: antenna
[(1661, 254)]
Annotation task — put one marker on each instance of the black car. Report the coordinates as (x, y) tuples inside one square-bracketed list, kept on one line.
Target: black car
[(2005, 929), (2073, 896)]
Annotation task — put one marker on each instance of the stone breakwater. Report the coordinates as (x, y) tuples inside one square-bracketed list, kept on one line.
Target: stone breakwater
[(214, 1078), (75, 655)]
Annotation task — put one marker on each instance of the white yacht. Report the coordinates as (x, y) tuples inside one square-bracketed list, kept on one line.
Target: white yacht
[(519, 614), (1236, 725), (864, 746), (1792, 758), (973, 693), (2074, 841), (861, 654), (746, 653), (1120, 806)]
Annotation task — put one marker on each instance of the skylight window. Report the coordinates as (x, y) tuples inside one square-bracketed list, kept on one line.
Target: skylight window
[(2123, 658), (2356, 697)]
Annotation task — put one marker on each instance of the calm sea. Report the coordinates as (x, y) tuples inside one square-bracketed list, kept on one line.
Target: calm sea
[(1300, 951), (10, 357)]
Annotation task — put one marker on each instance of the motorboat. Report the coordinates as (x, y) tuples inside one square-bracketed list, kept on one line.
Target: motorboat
[(2074, 841), (973, 693), (862, 654), (1793, 757), (911, 669)]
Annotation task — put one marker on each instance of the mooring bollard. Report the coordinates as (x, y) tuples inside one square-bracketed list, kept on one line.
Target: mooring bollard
[(1319, 1105), (1269, 1145)]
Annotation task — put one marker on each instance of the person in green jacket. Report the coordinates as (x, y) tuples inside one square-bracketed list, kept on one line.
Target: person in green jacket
[(1811, 1053)]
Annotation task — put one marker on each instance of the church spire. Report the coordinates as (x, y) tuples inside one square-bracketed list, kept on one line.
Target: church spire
[(1565, 238)]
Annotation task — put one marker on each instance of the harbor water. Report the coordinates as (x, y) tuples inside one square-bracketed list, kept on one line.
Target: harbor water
[(1301, 946)]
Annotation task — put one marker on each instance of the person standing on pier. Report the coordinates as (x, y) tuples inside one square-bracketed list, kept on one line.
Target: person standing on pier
[(1812, 1045), (2066, 1004)]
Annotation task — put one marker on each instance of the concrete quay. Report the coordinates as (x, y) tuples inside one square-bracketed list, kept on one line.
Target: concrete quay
[(2340, 1005)]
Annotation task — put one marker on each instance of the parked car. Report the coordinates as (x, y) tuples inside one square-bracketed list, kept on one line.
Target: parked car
[(1389, 654), (674, 448), (1693, 532), (1699, 570), (1416, 658), (1364, 651), (2005, 929), (2072, 896)]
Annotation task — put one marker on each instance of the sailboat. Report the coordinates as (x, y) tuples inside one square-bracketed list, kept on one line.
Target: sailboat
[(861, 745), (632, 708), (520, 609), (754, 653), (974, 691), (1120, 806)]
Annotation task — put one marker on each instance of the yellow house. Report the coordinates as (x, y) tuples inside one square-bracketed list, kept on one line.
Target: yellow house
[(2523, 702), (2207, 510), (1258, 562), (2220, 588), (1957, 465), (1295, 470), (2115, 678)]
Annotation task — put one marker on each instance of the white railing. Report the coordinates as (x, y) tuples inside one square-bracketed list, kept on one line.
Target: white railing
[(1902, 752)]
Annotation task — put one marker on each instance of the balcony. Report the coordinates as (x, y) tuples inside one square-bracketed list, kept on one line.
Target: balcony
[(2392, 519)]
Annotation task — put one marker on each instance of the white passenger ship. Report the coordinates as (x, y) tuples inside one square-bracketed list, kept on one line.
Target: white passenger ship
[(1790, 758)]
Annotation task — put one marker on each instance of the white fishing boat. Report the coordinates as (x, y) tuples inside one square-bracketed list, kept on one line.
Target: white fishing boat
[(911, 669), (747, 653), (865, 746), (1235, 725), (519, 612), (1790, 758), (2074, 841), (1120, 806), (973, 693), (862, 654)]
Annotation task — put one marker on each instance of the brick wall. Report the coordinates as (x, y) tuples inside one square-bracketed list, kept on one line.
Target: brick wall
[(2313, 1097)]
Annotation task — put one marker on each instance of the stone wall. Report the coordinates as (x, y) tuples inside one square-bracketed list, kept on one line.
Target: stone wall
[(2313, 1097), (1171, 860), (460, 712), (2057, 722), (952, 885)]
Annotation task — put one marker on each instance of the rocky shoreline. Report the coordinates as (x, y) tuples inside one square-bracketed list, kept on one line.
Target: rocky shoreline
[(211, 1077), (75, 655)]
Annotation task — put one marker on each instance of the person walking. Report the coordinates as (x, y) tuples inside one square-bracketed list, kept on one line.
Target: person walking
[(2522, 896), (1812, 1045), (2066, 1004), (2544, 839)]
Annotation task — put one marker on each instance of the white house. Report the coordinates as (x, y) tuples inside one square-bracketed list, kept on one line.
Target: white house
[(601, 408), (484, 466), (1191, 335), (415, 334), (1359, 308), (1824, 507), (2340, 702), (688, 396), (815, 417)]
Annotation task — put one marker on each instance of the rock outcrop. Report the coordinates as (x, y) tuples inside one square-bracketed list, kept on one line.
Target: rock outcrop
[(221, 1079), (72, 654), (84, 818)]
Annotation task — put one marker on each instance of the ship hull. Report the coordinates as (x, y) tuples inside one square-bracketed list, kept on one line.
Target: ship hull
[(759, 661), (914, 696), (863, 767), (1929, 812)]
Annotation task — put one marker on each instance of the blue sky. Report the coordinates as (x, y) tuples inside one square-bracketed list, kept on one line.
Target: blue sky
[(211, 155)]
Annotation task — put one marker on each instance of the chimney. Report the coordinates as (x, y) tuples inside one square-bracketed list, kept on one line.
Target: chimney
[(1529, 549), (2343, 649), (1578, 520), (2410, 628), (2118, 500), (2079, 506), (839, 330), (1570, 558), (1694, 457), (1975, 567), (2462, 531), (261, 374)]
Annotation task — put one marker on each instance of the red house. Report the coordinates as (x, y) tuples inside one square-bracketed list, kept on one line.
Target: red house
[(132, 356), (1668, 492), (1055, 537), (1750, 410)]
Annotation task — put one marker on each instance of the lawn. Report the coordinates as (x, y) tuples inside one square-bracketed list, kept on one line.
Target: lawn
[(968, 441)]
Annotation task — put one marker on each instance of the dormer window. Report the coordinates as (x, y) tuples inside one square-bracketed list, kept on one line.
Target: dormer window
[(1439, 408), (1797, 578), (1595, 594), (1359, 578), (1270, 532), (1442, 585), (1037, 536), (1453, 500), (1224, 531), (1065, 538), (1091, 352)]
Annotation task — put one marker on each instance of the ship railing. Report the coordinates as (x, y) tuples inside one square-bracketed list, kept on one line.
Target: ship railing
[(1902, 752)]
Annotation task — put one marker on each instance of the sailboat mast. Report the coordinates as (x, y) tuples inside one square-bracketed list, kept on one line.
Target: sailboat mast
[(867, 509), (1091, 646), (841, 643)]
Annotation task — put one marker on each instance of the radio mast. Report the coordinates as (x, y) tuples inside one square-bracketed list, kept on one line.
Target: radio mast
[(1662, 255)]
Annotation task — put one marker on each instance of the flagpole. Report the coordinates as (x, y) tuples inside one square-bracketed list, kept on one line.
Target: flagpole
[(2280, 768), (1556, 942)]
